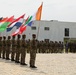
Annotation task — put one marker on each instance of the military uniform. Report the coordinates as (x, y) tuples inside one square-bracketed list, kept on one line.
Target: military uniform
[(8, 44), (4, 47), (13, 48), (23, 50), (33, 46), (66, 47), (18, 49), (0, 46), (28, 46)]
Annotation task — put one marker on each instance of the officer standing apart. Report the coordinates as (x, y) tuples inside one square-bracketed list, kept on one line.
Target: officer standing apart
[(33, 47), (23, 50)]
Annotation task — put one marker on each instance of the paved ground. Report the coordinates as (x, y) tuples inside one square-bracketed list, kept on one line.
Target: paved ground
[(48, 64)]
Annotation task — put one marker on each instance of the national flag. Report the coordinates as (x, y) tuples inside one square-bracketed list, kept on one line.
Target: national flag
[(22, 28), (19, 30), (18, 22), (3, 20), (39, 11), (16, 32), (36, 16), (6, 23)]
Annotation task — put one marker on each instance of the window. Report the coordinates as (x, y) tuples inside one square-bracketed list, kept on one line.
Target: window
[(66, 31), (33, 28), (46, 28)]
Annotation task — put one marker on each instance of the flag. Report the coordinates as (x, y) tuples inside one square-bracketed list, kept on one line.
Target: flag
[(3, 20), (39, 11), (30, 19), (18, 22), (22, 28), (6, 23), (20, 19), (36, 16), (16, 32), (19, 30)]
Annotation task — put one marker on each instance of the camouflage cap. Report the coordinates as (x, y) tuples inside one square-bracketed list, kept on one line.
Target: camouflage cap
[(18, 36), (9, 37), (13, 36), (24, 36), (33, 35)]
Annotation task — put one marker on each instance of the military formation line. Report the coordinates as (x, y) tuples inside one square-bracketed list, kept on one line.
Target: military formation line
[(18, 48)]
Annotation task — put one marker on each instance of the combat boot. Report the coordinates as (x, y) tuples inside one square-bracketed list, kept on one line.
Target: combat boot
[(33, 66)]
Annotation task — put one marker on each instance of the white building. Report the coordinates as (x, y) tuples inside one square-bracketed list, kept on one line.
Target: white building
[(53, 30)]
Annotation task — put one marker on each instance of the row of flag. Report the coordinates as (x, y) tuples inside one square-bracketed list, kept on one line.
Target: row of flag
[(21, 23)]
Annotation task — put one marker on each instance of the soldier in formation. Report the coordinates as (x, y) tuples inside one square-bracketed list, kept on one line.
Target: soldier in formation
[(18, 49), (33, 46), (23, 50), (4, 47), (13, 51), (8, 44), (0, 46)]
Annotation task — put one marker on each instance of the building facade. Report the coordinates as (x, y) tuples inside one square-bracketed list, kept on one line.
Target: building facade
[(49, 30)]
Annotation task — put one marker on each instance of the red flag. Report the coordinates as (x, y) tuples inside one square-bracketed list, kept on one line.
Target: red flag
[(19, 30), (16, 20)]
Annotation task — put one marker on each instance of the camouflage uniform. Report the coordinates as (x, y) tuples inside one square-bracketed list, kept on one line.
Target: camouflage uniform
[(18, 48), (33, 46), (50, 46), (8, 44), (13, 48), (53, 47), (43, 46), (0, 46), (66, 47), (23, 50), (4, 47), (28, 46)]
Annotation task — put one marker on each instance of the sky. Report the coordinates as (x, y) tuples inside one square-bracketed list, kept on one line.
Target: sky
[(61, 10)]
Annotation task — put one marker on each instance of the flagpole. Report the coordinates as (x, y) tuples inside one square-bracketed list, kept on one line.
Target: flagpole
[(38, 30), (38, 17)]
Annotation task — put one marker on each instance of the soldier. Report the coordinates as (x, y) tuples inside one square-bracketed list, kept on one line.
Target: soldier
[(28, 46), (13, 48), (0, 46), (23, 50), (33, 46), (66, 47), (4, 47), (8, 44), (50, 46), (18, 49), (53, 47)]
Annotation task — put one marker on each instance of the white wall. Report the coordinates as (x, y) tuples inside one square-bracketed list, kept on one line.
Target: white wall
[(56, 32)]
